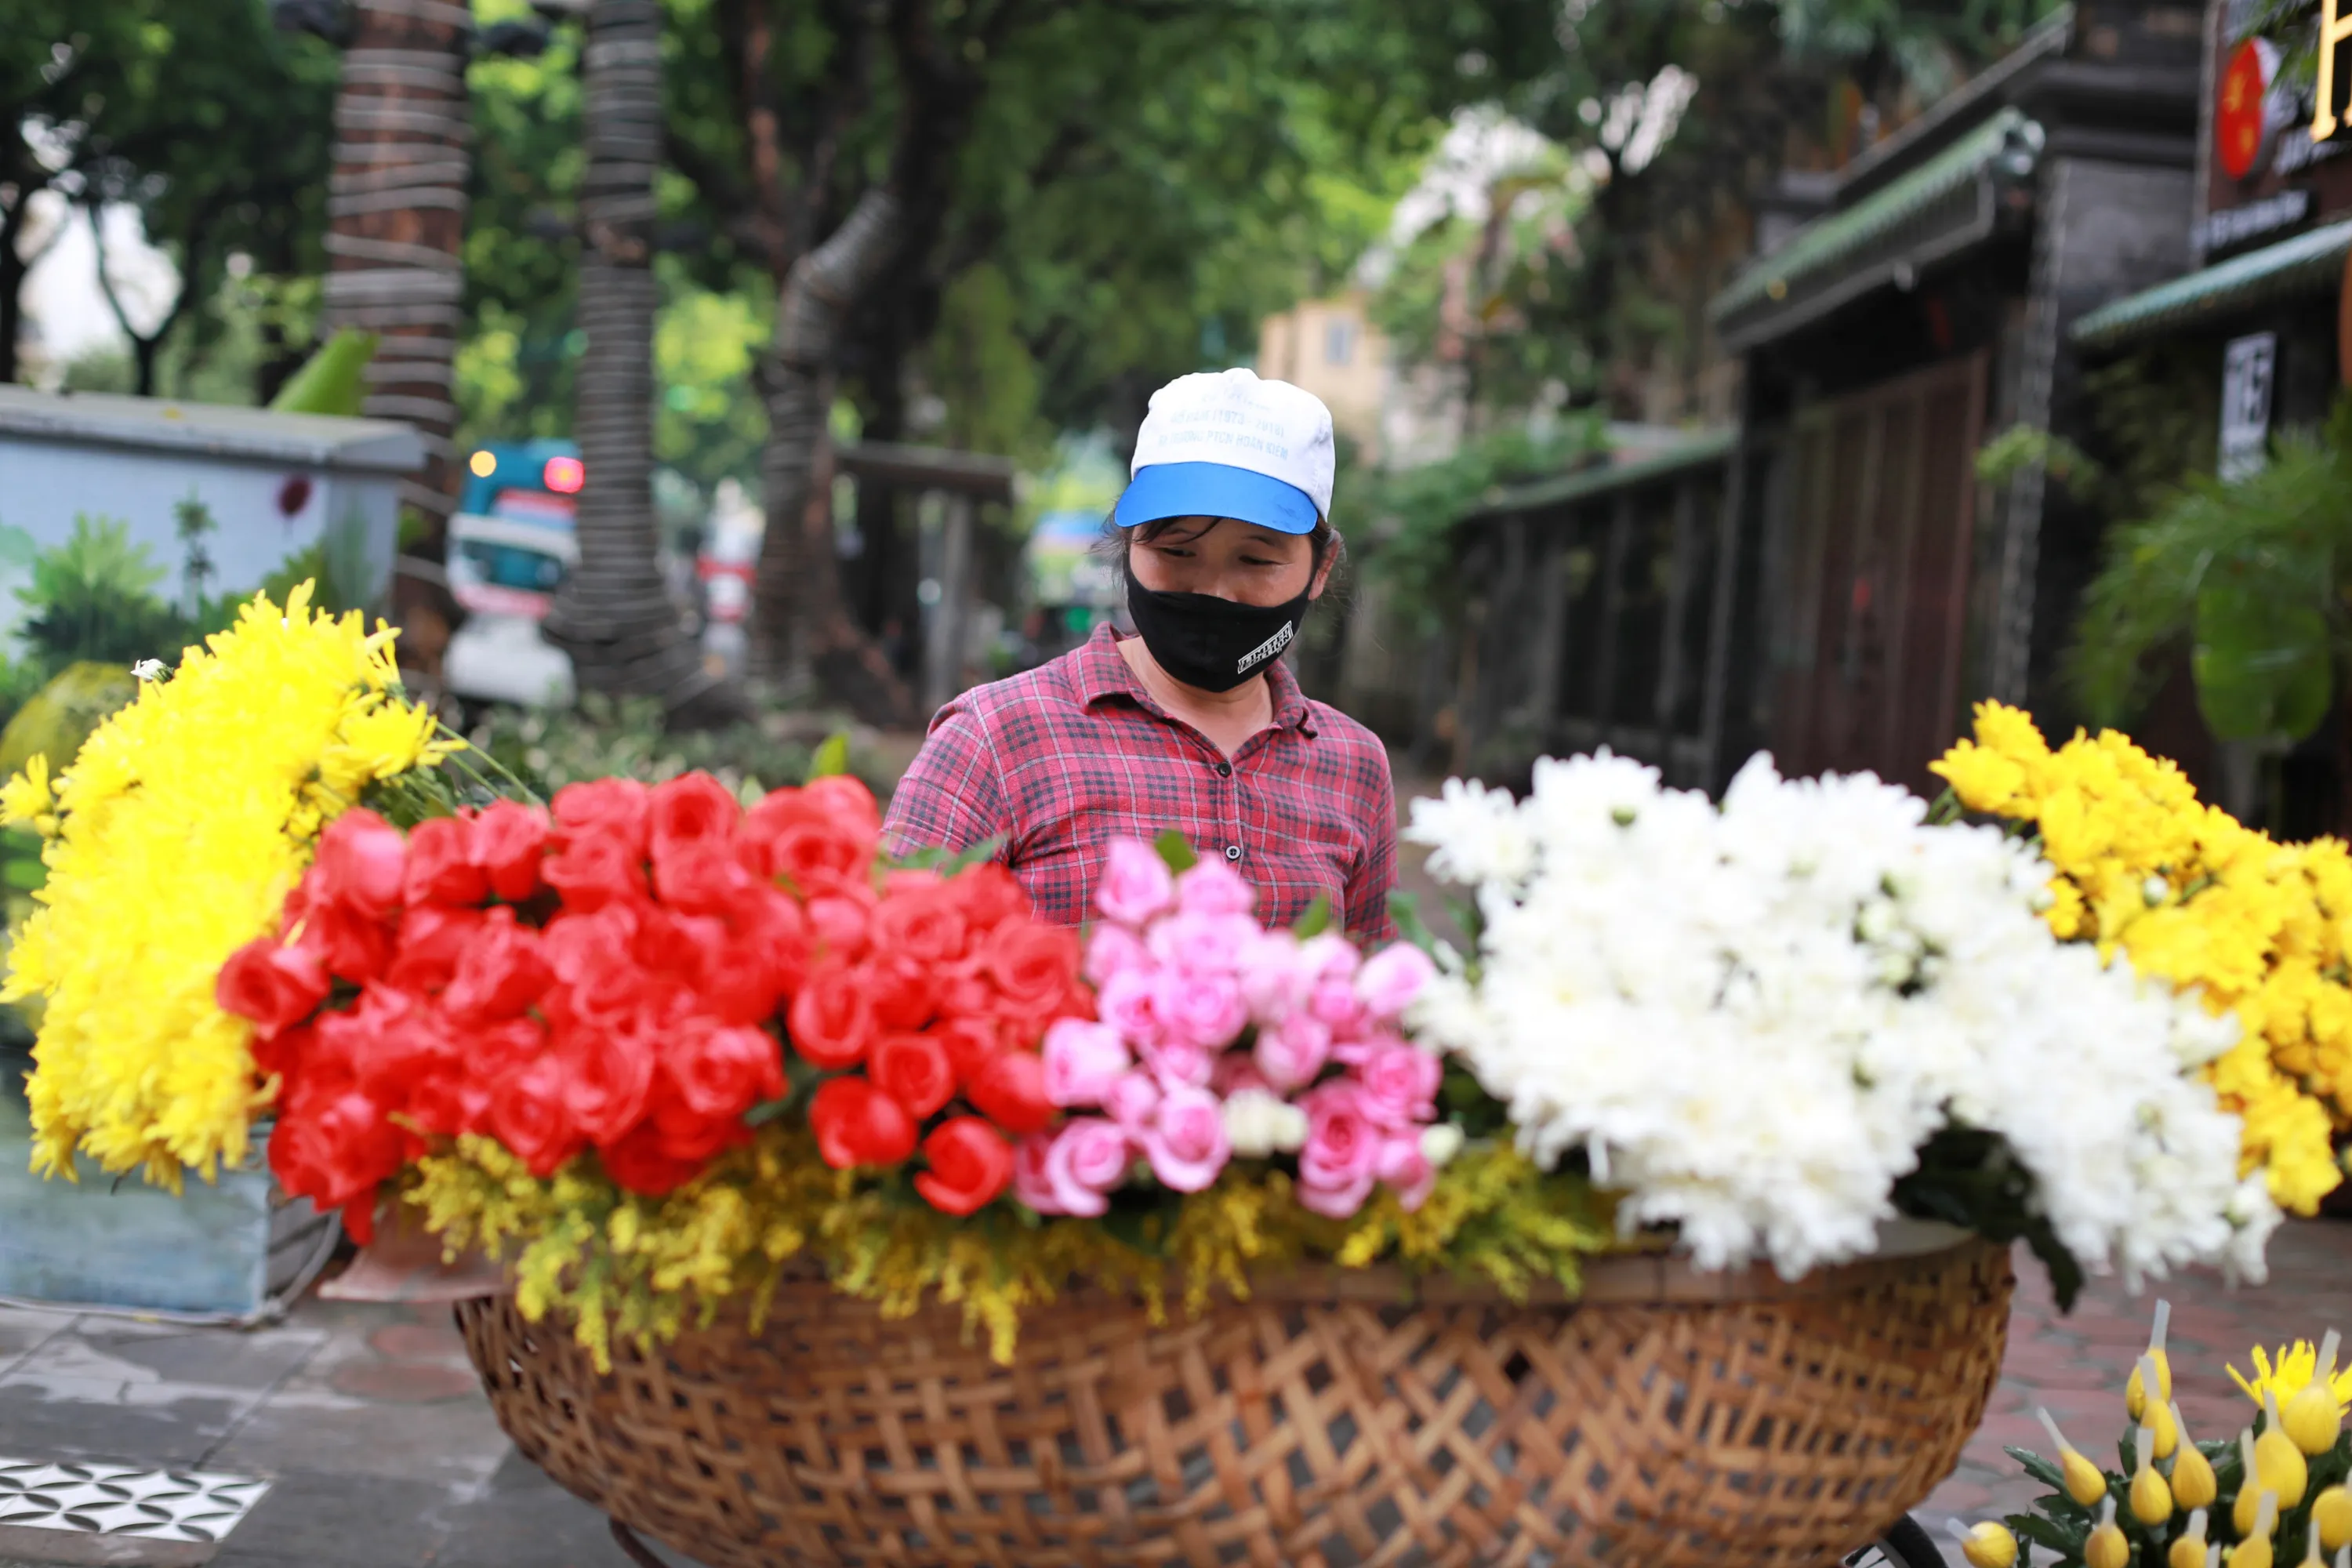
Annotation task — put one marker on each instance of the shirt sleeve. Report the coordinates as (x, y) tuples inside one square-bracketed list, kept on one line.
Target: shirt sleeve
[(951, 797), (1368, 917)]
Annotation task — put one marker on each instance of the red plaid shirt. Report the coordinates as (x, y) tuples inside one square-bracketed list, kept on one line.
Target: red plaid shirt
[(1070, 756)]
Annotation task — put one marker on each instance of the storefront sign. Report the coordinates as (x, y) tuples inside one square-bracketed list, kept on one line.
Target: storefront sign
[(2232, 225), (2335, 30), (2246, 372)]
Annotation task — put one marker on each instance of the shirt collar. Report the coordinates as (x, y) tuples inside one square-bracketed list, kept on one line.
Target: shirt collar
[(1103, 672)]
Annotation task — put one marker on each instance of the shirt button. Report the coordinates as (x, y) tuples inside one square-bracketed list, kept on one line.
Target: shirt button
[(1233, 851), (1224, 770)]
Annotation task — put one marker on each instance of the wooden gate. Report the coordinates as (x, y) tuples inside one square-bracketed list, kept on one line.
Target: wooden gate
[(1881, 498)]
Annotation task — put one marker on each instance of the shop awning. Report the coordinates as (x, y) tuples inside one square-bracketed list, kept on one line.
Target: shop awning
[(1699, 451), (1948, 203), (2294, 268)]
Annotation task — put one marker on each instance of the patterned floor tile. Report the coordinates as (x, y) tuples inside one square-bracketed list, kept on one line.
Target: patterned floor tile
[(117, 1499)]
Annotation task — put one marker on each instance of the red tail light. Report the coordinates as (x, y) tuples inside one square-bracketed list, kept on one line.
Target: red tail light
[(565, 476)]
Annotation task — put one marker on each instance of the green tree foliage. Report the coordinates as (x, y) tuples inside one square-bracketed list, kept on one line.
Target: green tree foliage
[(2250, 577), (94, 597)]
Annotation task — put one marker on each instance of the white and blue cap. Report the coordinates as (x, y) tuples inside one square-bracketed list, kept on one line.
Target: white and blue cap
[(1225, 443)]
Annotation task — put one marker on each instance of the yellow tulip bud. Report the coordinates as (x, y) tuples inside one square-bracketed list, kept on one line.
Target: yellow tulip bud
[(2331, 1511), (2277, 1460), (2167, 1427), (1986, 1545), (2106, 1547), (2193, 1485), (2136, 1391), (2310, 1420), (2151, 1499), (2189, 1552), (2255, 1550), (2250, 1490), (2083, 1480)]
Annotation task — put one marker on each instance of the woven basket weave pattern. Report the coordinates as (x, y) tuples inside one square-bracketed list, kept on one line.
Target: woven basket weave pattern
[(1668, 1419)]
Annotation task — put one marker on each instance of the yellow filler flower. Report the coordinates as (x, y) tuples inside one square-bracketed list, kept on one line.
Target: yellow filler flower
[(172, 840)]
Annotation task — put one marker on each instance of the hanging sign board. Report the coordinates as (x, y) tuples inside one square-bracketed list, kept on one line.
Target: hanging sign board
[(2247, 368), (2335, 32)]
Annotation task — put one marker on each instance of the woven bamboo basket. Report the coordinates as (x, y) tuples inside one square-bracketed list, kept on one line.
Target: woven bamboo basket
[(1336, 1420)]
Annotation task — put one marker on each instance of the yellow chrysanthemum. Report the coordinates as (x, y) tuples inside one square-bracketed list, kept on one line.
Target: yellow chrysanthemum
[(2195, 897), (2289, 1372), (172, 841)]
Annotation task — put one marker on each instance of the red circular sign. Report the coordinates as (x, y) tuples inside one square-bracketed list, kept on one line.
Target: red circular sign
[(2238, 114)]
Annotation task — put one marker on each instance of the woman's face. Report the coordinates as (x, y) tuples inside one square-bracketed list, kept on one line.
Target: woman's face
[(1228, 560)]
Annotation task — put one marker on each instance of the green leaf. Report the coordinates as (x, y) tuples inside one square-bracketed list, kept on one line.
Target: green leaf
[(1405, 909), (2040, 1468), (331, 381), (1173, 849), (832, 758), (1315, 920), (976, 855), (2261, 664), (2047, 1532), (26, 875)]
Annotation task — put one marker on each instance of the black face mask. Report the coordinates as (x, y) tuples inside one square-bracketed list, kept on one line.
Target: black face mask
[(1208, 643)]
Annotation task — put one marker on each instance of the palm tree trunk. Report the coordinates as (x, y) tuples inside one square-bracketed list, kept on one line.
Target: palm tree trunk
[(614, 616), (396, 220), (804, 634)]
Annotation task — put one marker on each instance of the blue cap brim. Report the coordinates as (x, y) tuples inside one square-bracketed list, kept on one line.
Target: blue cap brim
[(1215, 489)]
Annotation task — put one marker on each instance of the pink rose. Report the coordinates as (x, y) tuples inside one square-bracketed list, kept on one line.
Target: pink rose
[(1405, 1168), (1082, 1059), (1204, 1010), (1186, 1140), (1180, 1063), (1340, 1161), (1132, 1099), (1111, 949), (1334, 1002), (1089, 1157), (1329, 956), (1213, 888), (1235, 1074), (1031, 1185), (1129, 1003), (1391, 978), (1292, 1052), (1203, 944), (1275, 975), (1400, 1083), (1135, 884)]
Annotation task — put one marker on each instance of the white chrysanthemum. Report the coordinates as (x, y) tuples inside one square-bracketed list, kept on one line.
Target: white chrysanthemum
[(1749, 1018)]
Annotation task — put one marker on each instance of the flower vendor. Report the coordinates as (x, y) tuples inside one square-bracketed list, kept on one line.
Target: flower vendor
[(1224, 540)]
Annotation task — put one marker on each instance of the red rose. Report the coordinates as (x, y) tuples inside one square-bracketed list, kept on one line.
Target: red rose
[(927, 926), (501, 973), (907, 881), (1011, 1091), (441, 869), (388, 1043), (693, 808), (772, 944), (591, 872), (970, 1044), (335, 1149), (283, 1054), (640, 1164), (789, 835), (701, 875), (581, 944), (962, 991), (271, 983), (530, 1116), (692, 949), (353, 946), (857, 1124), (608, 1080), (446, 1105), (847, 799), (914, 1070), (362, 862), (432, 939), (970, 1163), (496, 1052), (1033, 964), (840, 922), (685, 1134), (903, 991), (831, 1020), (990, 895), (723, 1070), (610, 809), (510, 841)]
